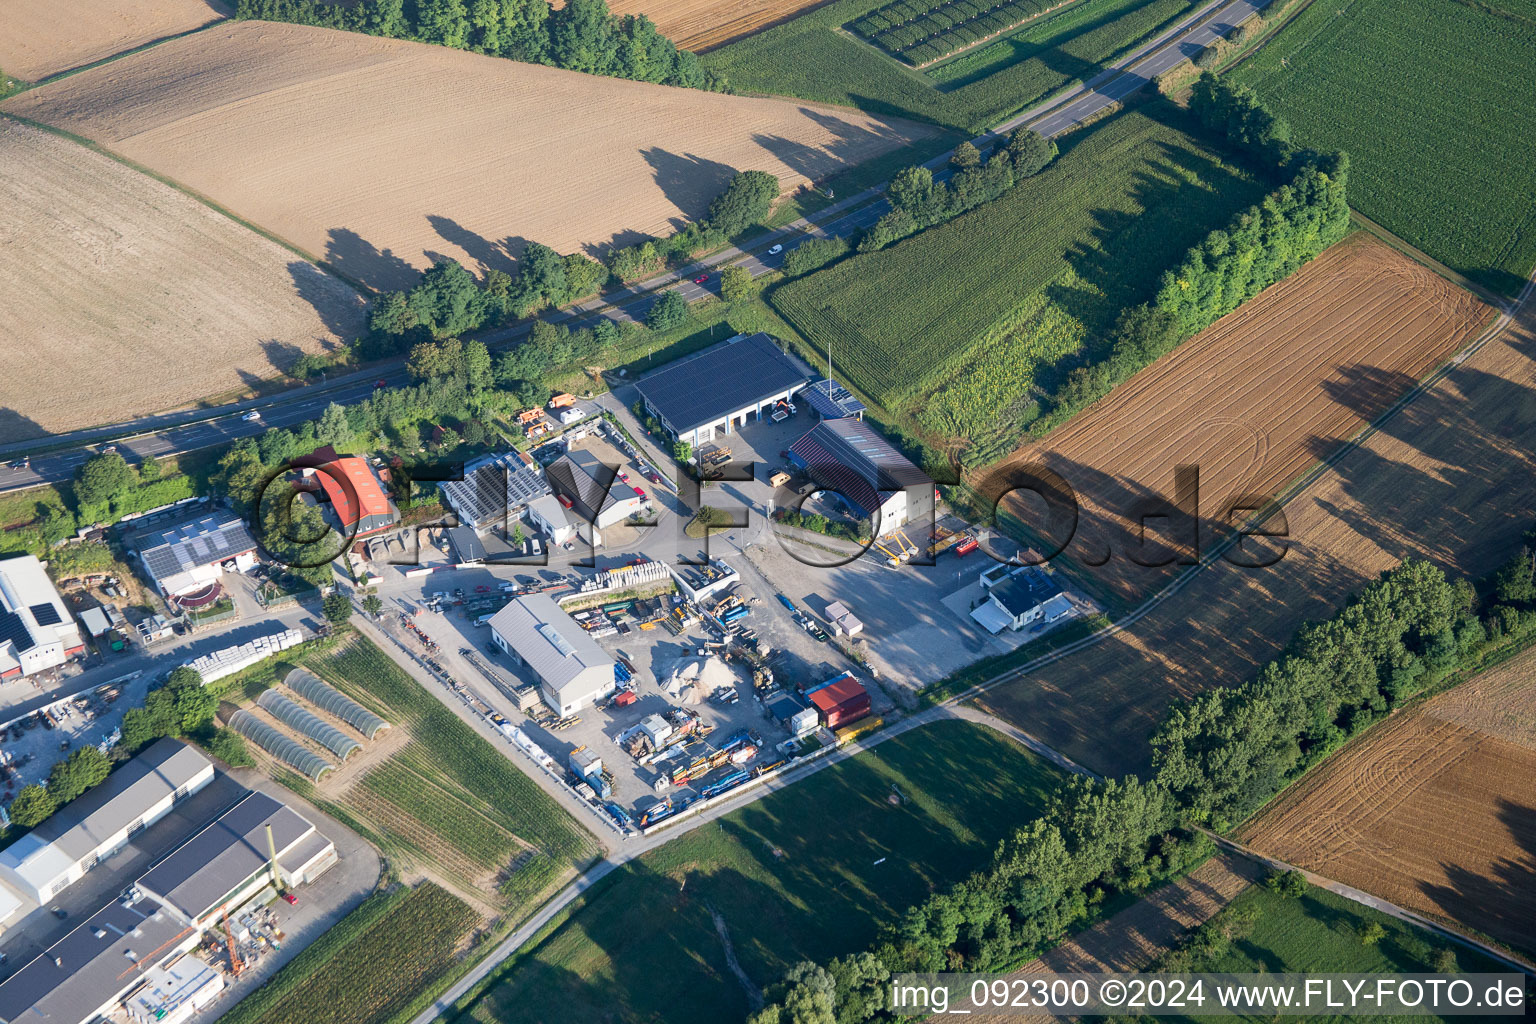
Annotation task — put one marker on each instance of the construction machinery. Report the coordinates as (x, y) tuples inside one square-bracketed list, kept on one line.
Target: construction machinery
[(236, 965)]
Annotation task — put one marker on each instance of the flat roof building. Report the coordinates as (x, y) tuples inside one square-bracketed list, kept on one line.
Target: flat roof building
[(57, 853), (229, 861), (875, 480), (495, 488), (714, 391), (86, 973), (190, 554), (36, 630), (831, 401), (572, 671)]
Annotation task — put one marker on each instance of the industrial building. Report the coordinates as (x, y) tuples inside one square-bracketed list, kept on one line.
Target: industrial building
[(131, 953), (597, 496), (715, 391), (1019, 597), (839, 701), (84, 975), (36, 631), (831, 401), (355, 500), (56, 854), (188, 555), (571, 670), (257, 843), (552, 519), (495, 488), (875, 480)]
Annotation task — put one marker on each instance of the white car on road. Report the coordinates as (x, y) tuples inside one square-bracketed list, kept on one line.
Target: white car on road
[(775, 250), (251, 417)]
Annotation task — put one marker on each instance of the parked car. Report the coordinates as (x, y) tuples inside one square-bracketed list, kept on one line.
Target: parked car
[(291, 898)]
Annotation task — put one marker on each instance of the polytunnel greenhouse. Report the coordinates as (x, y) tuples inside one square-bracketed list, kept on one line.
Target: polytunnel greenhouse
[(332, 701), (308, 723), (280, 745)]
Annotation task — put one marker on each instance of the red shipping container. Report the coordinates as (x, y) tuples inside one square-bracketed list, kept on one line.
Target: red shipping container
[(840, 702)]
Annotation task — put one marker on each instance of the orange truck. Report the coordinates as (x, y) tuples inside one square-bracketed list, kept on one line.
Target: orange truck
[(530, 416), (562, 401)]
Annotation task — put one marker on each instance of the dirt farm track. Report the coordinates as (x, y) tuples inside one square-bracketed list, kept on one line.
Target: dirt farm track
[(1450, 478), (377, 155), (1434, 810), (44, 37), (120, 296)]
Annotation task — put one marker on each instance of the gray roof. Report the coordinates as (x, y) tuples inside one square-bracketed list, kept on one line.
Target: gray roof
[(92, 965), (207, 540), (494, 485), (550, 641), (205, 869), (1028, 588), (84, 824), (579, 475), (699, 389)]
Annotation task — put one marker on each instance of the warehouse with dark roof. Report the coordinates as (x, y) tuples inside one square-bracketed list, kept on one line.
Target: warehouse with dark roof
[(714, 392), (874, 480)]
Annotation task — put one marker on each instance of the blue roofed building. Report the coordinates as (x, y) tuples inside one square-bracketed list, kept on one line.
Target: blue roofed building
[(715, 392)]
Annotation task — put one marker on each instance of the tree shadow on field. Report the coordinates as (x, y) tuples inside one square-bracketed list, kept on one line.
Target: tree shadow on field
[(1502, 904), (689, 182), (846, 143), (339, 307), (280, 354), (484, 253), (354, 258), (16, 426)]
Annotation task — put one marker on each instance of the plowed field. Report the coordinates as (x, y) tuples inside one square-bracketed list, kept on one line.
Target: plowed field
[(44, 37), (1252, 401), (700, 25), (1450, 478), (1428, 811), (377, 155), (120, 296)]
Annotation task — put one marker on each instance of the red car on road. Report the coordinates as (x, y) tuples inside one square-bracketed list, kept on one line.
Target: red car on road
[(701, 279)]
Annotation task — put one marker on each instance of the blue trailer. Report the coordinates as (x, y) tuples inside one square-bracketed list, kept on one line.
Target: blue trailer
[(786, 602)]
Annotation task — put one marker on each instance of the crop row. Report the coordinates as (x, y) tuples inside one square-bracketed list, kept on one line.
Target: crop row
[(922, 31), (449, 818), (382, 969), (922, 306), (456, 753), (1434, 112)]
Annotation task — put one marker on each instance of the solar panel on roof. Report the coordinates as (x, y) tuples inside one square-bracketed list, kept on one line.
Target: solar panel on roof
[(46, 615), (14, 630)]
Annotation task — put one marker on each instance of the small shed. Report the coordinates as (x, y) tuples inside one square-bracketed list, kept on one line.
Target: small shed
[(840, 701), (95, 621), (656, 729)]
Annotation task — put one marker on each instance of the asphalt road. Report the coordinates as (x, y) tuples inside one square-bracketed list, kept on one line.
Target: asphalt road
[(58, 457)]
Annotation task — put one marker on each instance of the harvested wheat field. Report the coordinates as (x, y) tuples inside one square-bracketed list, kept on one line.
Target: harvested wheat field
[(1133, 938), (378, 155), (1429, 810), (700, 25), (120, 296), (1252, 401), (45, 37), (1450, 478)]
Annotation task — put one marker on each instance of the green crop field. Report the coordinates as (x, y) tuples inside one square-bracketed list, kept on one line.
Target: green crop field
[(448, 799), (1320, 932), (809, 872), (971, 310), (1435, 111), (817, 57), (380, 960)]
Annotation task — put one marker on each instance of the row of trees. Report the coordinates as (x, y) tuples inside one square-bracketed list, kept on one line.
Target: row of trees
[(1263, 245), (1217, 757), (1224, 753), (745, 203), (106, 488), (1097, 839), (580, 35), (917, 201), (1234, 113)]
